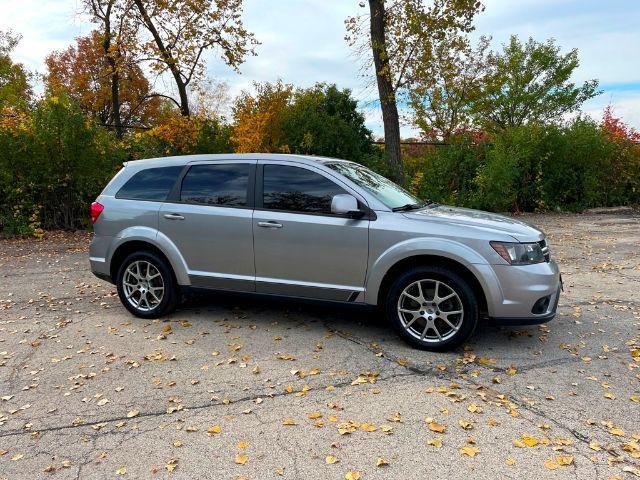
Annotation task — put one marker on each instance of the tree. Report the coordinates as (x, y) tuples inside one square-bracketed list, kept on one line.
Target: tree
[(530, 83), (84, 73), (182, 30), (15, 90), (117, 39), (397, 30), (324, 120), (445, 84), (258, 118)]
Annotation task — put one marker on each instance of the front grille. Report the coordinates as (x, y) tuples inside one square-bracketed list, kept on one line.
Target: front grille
[(545, 249)]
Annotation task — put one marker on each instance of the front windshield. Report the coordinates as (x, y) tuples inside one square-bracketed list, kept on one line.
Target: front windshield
[(392, 195)]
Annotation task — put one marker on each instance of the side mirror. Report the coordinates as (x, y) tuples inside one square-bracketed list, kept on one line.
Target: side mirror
[(345, 204)]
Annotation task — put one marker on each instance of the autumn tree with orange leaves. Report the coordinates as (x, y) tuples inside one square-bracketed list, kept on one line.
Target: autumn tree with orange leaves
[(84, 74), (258, 118)]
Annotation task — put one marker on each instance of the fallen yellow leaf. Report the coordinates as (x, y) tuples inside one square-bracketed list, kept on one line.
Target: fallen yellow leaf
[(172, 464), (241, 459), (564, 459), (465, 425), (469, 450), (331, 459), (353, 475), (289, 421), (436, 427), (381, 462), (436, 442)]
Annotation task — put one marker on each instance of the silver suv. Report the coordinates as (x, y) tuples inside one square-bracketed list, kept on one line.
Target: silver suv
[(318, 228)]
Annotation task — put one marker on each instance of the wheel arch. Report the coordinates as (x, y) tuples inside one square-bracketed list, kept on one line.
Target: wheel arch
[(432, 260), (128, 247)]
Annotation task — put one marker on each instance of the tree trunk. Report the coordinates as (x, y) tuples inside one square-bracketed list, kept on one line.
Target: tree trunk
[(115, 117), (182, 91), (166, 57), (115, 99), (386, 91)]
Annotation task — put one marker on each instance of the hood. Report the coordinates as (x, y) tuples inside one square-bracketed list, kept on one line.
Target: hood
[(518, 229)]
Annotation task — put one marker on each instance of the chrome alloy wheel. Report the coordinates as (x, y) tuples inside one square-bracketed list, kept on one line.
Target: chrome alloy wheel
[(143, 285), (430, 310)]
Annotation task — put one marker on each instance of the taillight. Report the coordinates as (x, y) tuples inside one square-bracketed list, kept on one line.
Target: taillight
[(96, 210)]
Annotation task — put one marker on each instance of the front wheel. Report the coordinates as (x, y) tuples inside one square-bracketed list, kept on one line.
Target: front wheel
[(146, 286), (432, 308)]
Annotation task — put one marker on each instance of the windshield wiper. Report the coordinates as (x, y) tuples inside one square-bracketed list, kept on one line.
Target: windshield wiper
[(414, 206), (407, 207)]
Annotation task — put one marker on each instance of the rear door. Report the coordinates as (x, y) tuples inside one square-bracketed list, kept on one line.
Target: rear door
[(301, 248), (208, 217)]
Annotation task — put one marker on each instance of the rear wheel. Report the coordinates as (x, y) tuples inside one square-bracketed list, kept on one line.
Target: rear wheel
[(432, 308), (146, 285)]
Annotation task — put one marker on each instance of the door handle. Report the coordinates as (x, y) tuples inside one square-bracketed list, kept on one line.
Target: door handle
[(173, 216), (270, 224)]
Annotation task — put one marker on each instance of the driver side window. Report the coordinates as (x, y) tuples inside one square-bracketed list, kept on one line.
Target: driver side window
[(295, 189)]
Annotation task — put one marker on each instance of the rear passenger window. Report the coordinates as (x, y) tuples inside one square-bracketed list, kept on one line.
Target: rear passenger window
[(224, 185), (150, 184)]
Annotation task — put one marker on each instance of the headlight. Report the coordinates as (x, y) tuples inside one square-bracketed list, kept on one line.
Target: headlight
[(519, 253)]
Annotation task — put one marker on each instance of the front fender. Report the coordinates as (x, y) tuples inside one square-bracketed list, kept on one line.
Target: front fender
[(449, 249), (158, 240)]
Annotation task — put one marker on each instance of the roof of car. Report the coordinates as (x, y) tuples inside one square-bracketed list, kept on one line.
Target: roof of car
[(184, 159)]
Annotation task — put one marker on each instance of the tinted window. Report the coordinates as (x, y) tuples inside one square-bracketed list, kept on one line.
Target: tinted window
[(150, 184), (298, 190), (216, 184), (383, 189)]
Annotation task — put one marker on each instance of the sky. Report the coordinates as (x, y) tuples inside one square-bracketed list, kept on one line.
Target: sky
[(302, 42)]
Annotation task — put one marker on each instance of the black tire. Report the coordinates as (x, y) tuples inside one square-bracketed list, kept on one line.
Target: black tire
[(171, 295), (452, 282)]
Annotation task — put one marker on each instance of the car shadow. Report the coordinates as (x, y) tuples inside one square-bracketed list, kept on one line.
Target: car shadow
[(362, 323)]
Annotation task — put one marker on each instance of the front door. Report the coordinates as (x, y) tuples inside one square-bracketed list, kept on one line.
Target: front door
[(301, 248), (209, 219)]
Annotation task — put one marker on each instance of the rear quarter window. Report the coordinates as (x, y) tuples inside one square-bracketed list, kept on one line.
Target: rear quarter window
[(151, 184)]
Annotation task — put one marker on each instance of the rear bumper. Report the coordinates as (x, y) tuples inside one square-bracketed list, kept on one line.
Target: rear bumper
[(100, 269), (97, 257)]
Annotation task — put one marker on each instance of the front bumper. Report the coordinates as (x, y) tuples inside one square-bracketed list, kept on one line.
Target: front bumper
[(521, 292), (532, 320)]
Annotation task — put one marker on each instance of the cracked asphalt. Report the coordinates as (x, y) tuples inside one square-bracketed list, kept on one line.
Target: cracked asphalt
[(233, 387)]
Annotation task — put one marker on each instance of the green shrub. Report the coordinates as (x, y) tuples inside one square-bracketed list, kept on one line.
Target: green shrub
[(531, 168), (54, 162), (509, 179), (447, 173)]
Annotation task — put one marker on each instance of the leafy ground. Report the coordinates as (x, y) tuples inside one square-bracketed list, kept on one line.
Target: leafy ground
[(230, 387)]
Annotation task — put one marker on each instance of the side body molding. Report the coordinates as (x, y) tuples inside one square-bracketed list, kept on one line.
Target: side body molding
[(437, 247), (158, 240)]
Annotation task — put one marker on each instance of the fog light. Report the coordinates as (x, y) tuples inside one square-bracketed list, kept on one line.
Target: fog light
[(541, 305)]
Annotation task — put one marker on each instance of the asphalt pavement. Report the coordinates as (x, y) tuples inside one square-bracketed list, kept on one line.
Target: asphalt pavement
[(233, 387)]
